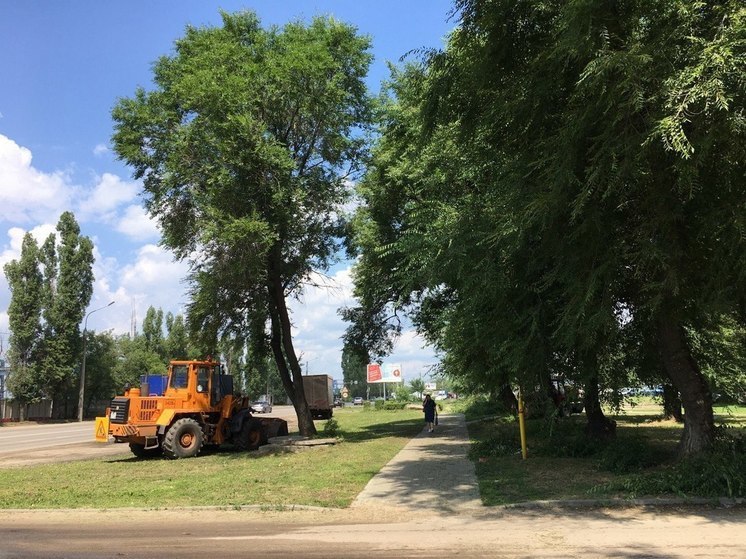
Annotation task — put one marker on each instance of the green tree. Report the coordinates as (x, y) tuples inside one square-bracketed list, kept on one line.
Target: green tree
[(101, 363), (417, 385), (60, 276), (244, 148), (24, 320), (152, 331), (68, 283), (533, 224), (354, 370), (134, 359), (177, 344)]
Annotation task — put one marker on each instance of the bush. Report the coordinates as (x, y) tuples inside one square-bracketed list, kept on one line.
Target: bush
[(394, 405), (503, 443), (718, 473), (476, 407), (624, 456), (331, 427)]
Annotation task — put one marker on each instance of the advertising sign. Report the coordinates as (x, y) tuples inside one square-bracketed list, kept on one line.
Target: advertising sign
[(388, 372), (374, 373)]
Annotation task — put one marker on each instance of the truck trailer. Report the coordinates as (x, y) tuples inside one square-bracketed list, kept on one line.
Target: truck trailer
[(319, 391)]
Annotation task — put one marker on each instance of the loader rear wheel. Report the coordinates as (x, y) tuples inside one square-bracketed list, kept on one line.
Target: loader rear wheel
[(251, 435), (184, 439), (140, 451)]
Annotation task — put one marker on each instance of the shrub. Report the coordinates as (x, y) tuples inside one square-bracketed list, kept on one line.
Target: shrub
[(503, 443), (718, 473), (331, 427), (394, 405)]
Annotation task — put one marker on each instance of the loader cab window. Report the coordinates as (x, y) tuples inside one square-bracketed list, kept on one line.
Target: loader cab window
[(203, 379), (179, 376)]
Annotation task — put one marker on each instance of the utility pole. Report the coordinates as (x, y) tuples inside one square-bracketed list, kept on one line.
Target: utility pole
[(82, 368)]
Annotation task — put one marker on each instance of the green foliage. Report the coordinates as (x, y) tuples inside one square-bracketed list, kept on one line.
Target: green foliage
[(392, 404), (720, 472), (51, 287), (100, 369), (24, 319), (354, 373), (535, 226), (402, 394), (503, 443), (244, 148), (331, 427)]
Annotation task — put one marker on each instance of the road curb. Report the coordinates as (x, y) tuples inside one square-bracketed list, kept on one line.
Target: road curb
[(725, 502)]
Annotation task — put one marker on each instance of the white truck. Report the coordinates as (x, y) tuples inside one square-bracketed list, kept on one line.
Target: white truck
[(319, 393)]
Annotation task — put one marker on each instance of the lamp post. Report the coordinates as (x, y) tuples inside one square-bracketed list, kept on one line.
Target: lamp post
[(82, 367)]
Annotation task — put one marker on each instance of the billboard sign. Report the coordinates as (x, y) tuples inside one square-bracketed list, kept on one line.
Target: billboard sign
[(374, 373), (388, 372)]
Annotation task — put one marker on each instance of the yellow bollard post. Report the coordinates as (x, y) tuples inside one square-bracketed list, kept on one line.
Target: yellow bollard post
[(522, 424)]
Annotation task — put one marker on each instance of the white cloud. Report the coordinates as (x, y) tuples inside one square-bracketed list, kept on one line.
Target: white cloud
[(318, 330), (137, 225), (26, 194), (100, 149), (110, 193)]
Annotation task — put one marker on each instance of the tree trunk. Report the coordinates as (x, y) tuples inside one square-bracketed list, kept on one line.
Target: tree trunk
[(508, 399), (598, 426), (682, 369), (672, 404), (285, 352)]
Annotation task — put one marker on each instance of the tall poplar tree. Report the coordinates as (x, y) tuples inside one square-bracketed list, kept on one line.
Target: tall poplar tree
[(67, 261), (51, 287), (24, 319)]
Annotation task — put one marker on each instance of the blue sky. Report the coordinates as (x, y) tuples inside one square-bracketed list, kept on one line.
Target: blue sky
[(63, 64)]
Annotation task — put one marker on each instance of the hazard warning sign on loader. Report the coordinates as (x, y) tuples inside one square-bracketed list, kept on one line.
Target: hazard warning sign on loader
[(102, 429)]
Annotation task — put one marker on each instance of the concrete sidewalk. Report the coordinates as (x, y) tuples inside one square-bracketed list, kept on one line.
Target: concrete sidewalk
[(431, 472)]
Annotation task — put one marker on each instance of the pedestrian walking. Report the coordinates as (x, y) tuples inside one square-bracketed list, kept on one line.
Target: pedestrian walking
[(428, 406)]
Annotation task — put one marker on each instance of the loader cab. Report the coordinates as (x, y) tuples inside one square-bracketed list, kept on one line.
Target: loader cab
[(205, 381)]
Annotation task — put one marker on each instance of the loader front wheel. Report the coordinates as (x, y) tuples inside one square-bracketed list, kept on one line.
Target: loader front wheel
[(250, 437), (183, 440)]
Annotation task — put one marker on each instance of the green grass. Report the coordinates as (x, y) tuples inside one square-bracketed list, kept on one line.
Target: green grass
[(329, 476), (563, 464)]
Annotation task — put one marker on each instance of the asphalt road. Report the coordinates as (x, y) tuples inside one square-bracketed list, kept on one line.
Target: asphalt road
[(30, 437), (38, 443), (358, 533)]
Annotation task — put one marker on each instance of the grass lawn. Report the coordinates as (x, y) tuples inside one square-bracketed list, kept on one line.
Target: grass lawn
[(562, 464), (329, 476)]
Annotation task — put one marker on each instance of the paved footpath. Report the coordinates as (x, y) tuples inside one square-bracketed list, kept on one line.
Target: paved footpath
[(432, 471)]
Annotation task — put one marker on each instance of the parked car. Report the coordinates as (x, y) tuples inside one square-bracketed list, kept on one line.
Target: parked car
[(261, 407), (339, 403), (357, 401)]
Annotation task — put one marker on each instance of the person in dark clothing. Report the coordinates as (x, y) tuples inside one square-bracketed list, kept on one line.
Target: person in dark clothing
[(428, 406)]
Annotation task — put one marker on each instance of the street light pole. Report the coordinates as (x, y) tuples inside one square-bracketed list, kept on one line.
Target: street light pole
[(82, 367)]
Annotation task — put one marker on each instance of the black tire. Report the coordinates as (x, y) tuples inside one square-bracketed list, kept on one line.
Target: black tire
[(251, 435), (184, 439), (140, 451)]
